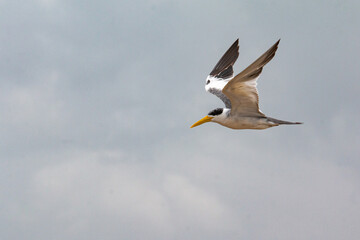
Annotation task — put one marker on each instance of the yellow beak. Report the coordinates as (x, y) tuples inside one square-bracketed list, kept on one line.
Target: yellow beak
[(201, 121)]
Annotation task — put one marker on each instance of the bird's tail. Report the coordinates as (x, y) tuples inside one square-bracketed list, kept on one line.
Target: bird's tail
[(277, 121)]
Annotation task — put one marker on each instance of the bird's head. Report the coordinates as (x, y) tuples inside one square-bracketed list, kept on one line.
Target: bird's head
[(216, 115)]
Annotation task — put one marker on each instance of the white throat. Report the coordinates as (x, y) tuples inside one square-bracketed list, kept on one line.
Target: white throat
[(223, 117)]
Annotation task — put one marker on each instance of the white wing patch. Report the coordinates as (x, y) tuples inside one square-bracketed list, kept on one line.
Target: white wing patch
[(217, 83), (215, 86)]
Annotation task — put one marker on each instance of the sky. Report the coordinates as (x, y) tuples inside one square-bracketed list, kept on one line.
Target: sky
[(97, 99)]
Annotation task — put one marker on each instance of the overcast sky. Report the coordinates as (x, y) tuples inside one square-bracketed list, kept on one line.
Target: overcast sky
[(96, 101)]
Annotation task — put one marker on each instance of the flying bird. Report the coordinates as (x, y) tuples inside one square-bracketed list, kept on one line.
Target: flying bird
[(239, 93)]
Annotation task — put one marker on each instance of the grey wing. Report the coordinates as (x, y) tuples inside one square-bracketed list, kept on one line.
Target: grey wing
[(222, 73), (218, 92), (242, 91)]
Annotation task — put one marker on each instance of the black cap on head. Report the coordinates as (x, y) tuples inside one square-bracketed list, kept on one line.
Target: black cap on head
[(215, 112)]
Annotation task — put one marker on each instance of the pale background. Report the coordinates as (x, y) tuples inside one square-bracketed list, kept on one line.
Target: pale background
[(96, 101)]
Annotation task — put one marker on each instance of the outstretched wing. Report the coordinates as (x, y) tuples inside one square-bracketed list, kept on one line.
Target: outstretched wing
[(222, 73), (223, 69), (242, 91)]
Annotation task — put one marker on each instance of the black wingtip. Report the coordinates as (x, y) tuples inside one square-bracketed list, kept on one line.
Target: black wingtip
[(227, 60), (277, 43)]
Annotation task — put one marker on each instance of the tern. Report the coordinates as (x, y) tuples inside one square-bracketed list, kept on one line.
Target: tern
[(239, 93)]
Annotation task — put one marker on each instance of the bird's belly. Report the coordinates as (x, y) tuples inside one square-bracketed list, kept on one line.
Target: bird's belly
[(247, 123)]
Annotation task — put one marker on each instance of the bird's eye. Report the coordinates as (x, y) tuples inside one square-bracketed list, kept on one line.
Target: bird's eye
[(207, 82)]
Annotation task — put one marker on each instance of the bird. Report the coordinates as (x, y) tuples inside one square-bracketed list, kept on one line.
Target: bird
[(239, 93)]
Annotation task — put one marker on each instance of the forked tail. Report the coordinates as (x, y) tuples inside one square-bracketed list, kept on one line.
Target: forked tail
[(277, 121)]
